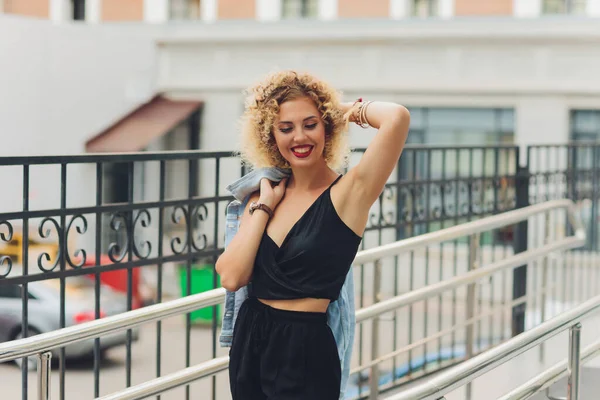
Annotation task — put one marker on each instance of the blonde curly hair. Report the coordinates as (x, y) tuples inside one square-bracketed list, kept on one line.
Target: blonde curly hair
[(258, 147)]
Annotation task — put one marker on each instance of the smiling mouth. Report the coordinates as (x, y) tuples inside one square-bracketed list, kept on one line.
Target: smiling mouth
[(302, 151)]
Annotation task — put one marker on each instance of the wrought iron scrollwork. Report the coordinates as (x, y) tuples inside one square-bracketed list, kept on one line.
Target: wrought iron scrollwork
[(116, 251), (436, 201), (463, 207), (145, 220), (81, 229), (199, 241), (45, 234), (6, 237), (449, 202), (405, 199), (179, 245), (420, 202), (385, 214)]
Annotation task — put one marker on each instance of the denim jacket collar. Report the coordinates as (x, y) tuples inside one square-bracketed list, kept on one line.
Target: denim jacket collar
[(250, 182)]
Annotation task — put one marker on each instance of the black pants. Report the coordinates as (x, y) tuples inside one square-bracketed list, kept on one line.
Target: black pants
[(283, 355)]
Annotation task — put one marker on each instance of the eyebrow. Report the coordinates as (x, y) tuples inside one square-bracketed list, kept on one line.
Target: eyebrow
[(305, 119)]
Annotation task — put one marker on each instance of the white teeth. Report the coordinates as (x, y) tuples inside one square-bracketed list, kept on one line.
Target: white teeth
[(302, 150)]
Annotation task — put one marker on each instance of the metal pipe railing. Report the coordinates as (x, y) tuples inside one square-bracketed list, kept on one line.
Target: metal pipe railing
[(170, 381), (437, 387), (51, 340), (469, 277), (550, 376), (471, 228), (115, 323)]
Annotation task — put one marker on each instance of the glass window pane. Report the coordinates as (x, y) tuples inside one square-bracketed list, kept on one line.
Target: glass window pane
[(417, 118), (185, 9), (564, 6), (585, 125), (480, 119), (506, 120), (424, 8), (299, 8), (554, 7), (586, 121)]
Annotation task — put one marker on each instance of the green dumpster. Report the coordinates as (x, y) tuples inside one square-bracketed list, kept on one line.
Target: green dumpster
[(201, 281)]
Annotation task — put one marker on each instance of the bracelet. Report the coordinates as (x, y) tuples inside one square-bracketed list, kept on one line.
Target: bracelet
[(260, 206), (360, 113)]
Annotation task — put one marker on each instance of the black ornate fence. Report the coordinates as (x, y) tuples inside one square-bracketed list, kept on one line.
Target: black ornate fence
[(156, 217)]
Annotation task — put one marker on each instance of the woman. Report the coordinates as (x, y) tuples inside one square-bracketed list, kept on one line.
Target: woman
[(294, 251)]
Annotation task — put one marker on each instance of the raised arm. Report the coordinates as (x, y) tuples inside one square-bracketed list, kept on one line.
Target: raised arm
[(376, 165)]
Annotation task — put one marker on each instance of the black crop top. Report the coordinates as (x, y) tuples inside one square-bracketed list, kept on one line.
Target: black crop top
[(313, 260)]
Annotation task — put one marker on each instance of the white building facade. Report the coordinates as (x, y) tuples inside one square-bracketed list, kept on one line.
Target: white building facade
[(466, 81)]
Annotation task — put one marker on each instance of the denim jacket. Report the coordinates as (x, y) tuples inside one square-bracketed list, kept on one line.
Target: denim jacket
[(340, 313)]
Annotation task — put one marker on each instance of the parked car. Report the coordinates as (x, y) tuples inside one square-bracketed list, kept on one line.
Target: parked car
[(44, 313)]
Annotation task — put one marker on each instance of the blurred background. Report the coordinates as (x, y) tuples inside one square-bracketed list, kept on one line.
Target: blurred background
[(118, 121)]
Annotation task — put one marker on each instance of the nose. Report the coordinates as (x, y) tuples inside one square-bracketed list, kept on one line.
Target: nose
[(300, 136)]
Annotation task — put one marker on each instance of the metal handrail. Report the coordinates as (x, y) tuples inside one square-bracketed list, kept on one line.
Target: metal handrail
[(471, 228), (190, 374), (549, 376), (59, 338), (170, 381), (468, 277), (92, 329), (115, 323), (437, 387)]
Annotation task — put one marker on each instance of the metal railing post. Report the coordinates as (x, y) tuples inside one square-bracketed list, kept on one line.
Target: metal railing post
[(374, 389), (44, 368), (547, 239), (470, 331), (574, 362)]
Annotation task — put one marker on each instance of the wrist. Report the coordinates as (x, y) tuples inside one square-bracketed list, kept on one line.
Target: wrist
[(261, 207), (358, 113)]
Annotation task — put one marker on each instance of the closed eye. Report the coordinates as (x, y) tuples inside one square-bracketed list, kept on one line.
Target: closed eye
[(311, 126), (285, 130)]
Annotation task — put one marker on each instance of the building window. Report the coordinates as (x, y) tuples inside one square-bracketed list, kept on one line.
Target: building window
[(185, 9), (299, 8), (585, 125), (79, 10), (460, 127), (564, 6), (424, 8)]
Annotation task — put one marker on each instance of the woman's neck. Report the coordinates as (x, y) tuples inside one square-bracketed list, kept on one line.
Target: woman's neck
[(311, 178)]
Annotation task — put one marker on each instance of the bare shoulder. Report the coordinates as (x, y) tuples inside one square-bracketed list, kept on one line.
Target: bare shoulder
[(349, 203)]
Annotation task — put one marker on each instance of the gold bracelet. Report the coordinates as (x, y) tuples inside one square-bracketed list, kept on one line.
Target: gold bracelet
[(360, 114), (367, 104)]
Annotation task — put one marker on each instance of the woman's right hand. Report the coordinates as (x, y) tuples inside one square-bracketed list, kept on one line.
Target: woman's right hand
[(271, 195)]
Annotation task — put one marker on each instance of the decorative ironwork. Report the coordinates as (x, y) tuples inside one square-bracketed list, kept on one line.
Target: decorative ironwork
[(200, 241), (117, 251), (179, 245), (6, 238), (45, 234), (144, 220), (425, 194)]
